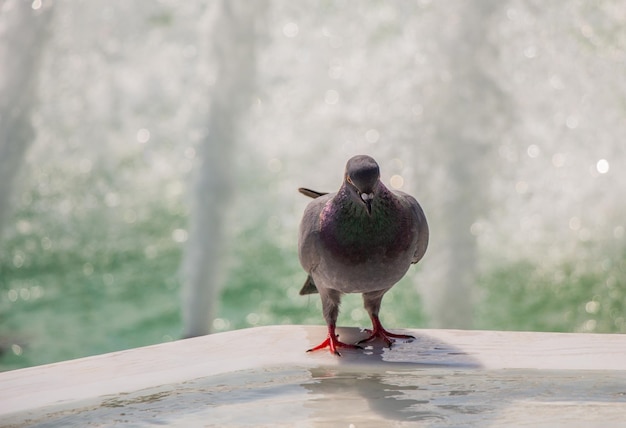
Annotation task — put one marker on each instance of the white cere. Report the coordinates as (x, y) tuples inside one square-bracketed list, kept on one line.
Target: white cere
[(366, 196)]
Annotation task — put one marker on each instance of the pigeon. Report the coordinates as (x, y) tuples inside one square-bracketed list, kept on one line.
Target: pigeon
[(361, 239)]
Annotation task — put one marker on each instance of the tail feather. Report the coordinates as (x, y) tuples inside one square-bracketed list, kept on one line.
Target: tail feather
[(308, 287), (311, 193)]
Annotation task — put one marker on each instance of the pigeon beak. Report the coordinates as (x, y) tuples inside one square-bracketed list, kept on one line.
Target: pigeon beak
[(367, 198)]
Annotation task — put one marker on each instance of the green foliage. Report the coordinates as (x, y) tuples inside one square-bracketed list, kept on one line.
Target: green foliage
[(81, 276), (263, 283), (87, 281), (575, 296)]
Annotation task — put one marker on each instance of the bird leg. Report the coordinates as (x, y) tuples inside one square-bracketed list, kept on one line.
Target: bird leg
[(372, 301), (333, 343), (330, 305)]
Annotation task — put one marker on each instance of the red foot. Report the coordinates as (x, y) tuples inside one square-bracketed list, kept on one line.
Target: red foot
[(379, 332), (333, 343)]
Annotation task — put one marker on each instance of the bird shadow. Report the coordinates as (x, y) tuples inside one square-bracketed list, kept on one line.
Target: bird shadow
[(423, 350), (390, 380)]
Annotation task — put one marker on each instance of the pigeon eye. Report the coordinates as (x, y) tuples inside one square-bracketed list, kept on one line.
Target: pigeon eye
[(349, 180)]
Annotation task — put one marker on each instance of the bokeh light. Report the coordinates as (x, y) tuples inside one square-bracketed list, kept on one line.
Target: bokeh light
[(602, 166)]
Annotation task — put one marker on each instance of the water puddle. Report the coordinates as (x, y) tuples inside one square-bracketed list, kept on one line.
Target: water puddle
[(401, 395)]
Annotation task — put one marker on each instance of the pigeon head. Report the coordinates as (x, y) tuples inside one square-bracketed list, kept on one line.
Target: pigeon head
[(362, 178)]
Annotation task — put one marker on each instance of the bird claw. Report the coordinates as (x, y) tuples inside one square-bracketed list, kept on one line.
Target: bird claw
[(333, 343), (387, 336)]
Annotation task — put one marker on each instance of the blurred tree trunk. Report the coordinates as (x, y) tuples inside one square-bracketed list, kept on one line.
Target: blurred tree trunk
[(234, 39), (23, 30), (470, 121)]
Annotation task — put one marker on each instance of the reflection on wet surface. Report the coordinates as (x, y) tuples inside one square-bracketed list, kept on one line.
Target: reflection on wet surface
[(385, 395)]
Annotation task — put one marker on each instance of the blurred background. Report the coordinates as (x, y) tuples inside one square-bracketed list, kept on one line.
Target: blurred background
[(150, 154)]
